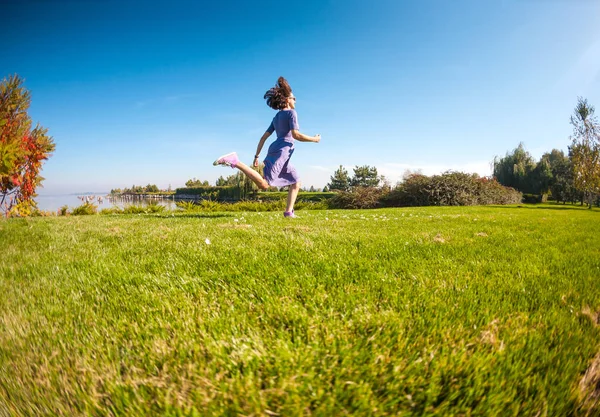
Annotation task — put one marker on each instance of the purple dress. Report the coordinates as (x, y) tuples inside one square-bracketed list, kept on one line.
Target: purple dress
[(278, 170)]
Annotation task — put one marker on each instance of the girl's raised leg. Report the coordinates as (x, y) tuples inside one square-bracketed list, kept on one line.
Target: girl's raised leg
[(232, 160)]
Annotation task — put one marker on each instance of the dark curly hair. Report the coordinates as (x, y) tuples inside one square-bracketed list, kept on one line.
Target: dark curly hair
[(277, 96)]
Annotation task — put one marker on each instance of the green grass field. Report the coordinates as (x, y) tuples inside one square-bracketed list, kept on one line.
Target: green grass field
[(445, 311)]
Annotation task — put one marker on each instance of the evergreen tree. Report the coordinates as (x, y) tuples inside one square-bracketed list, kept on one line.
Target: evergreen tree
[(365, 176), (340, 180)]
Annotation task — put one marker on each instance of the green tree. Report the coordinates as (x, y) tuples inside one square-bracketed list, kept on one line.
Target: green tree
[(365, 176), (540, 178), (585, 150), (561, 186), (194, 182), (340, 181), (515, 170), (152, 188), (22, 150)]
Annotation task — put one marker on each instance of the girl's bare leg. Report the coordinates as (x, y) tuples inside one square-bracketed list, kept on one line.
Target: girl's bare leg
[(292, 194), (253, 175)]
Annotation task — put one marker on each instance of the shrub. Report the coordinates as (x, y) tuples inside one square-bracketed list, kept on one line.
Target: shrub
[(41, 213), (247, 205), (492, 192), (451, 189), (134, 209), (302, 196), (212, 193), (531, 199), (85, 209), (358, 198), (63, 211), (447, 189), (535, 198)]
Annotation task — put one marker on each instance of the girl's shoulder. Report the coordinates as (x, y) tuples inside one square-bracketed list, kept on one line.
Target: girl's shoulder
[(288, 112)]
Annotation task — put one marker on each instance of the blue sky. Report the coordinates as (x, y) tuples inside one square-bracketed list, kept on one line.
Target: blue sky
[(139, 92)]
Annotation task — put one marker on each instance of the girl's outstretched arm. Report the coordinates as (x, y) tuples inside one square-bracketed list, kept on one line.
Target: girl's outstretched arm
[(305, 138)]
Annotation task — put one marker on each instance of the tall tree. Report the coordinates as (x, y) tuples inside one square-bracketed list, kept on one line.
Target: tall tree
[(585, 150), (22, 150), (515, 170), (340, 181), (365, 176), (561, 186), (541, 177)]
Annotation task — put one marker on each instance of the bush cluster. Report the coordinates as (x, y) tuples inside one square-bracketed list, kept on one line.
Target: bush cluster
[(85, 209), (302, 196), (358, 198), (248, 205), (134, 209), (223, 193), (447, 189)]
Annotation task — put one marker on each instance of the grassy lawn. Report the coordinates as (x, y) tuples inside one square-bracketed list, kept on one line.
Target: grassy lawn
[(416, 311)]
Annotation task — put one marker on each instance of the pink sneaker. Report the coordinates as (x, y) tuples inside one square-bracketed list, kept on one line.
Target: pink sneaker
[(289, 214), (230, 160)]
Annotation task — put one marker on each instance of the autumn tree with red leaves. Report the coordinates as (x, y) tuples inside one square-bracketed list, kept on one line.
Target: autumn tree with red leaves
[(22, 150)]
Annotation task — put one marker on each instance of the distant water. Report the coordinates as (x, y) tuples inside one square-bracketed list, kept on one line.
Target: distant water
[(54, 202)]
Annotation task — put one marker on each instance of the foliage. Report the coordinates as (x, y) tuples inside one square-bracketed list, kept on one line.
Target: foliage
[(436, 311), (365, 176), (302, 196), (231, 180), (562, 186), (451, 189), (63, 211), (491, 191), (85, 209), (194, 182), (248, 206), (585, 150), (225, 193), (358, 198), (22, 150), (447, 189), (515, 170), (35, 212), (140, 189), (340, 181)]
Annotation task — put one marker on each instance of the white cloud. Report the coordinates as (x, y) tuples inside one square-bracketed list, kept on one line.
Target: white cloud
[(320, 168)]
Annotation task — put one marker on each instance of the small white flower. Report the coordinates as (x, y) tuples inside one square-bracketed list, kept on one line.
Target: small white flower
[(207, 241), (235, 220)]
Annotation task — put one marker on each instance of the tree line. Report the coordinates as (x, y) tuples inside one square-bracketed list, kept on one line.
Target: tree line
[(572, 177), (140, 189)]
